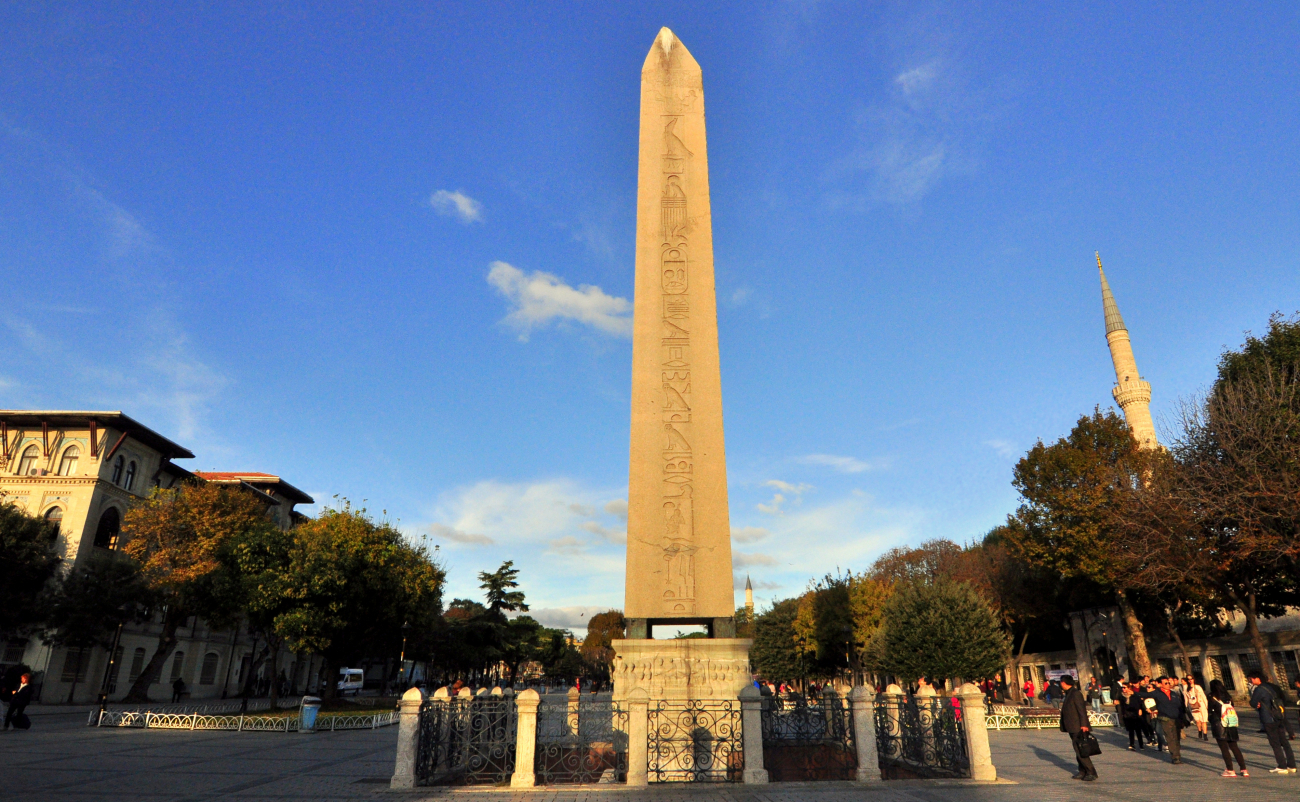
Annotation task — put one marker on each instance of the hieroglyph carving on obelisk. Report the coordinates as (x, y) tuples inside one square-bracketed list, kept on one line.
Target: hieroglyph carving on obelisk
[(679, 540)]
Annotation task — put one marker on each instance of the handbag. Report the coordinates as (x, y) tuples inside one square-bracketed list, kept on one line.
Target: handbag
[(1088, 745)]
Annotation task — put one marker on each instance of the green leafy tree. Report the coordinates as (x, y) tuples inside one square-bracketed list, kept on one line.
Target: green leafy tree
[(597, 648), (96, 597), (943, 630), (774, 654), (520, 641), (1070, 492), (498, 586), (28, 560), (354, 583)]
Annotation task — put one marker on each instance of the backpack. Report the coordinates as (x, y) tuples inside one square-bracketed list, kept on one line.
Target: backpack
[(1228, 718)]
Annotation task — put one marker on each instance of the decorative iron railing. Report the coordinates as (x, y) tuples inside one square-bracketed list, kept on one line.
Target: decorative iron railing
[(695, 741), (803, 741), (467, 741), (920, 737), (582, 743), (1004, 717)]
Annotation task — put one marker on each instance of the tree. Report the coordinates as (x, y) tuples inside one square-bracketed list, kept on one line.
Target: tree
[(942, 630), (354, 582), (597, 648), (931, 561), (774, 654), (177, 535), (497, 585), (1065, 522), (92, 601), (257, 567), (28, 560), (521, 638)]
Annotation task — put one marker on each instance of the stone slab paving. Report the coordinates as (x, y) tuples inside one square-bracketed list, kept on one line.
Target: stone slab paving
[(62, 759)]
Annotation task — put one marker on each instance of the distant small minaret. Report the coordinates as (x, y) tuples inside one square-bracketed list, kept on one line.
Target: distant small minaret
[(1131, 393), (749, 598)]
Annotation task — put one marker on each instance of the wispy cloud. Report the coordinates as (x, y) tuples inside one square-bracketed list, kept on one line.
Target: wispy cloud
[(1004, 448), (841, 464), (450, 534), (748, 534), (746, 560), (605, 532), (572, 618), (774, 507), (457, 204), (538, 298)]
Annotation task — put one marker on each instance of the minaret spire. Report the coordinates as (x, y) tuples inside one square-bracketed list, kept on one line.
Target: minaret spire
[(749, 597), (1131, 393)]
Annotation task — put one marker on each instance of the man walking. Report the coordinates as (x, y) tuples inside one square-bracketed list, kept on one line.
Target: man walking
[(18, 702), (1170, 709), (1270, 715), (1074, 720)]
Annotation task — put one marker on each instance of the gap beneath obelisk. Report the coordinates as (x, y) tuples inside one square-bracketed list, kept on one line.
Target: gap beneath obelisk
[(679, 532)]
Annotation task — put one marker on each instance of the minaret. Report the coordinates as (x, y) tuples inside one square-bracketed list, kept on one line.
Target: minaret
[(749, 598), (1131, 393)]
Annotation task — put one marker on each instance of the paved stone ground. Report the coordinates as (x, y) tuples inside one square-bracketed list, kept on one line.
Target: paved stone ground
[(62, 759)]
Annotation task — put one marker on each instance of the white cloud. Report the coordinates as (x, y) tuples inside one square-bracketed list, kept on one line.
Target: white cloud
[(574, 617), (774, 507), (1004, 448), (786, 487), (453, 535), (917, 79), (746, 560), (540, 298), (841, 464), (617, 508), (748, 534), (605, 532), (458, 205), (567, 545)]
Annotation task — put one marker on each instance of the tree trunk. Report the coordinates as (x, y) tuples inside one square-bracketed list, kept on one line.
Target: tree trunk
[(330, 691), (1013, 682), (1139, 660), (1173, 632), (1246, 603), (153, 669), (275, 676)]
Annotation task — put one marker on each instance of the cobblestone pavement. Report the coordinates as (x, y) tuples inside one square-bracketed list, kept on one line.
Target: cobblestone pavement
[(60, 758)]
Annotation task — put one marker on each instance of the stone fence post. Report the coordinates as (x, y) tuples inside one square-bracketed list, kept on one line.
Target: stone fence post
[(751, 725), (408, 739), (862, 702), (574, 696), (977, 733), (526, 740), (638, 737)]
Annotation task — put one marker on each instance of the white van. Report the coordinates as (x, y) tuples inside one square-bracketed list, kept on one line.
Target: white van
[(351, 680)]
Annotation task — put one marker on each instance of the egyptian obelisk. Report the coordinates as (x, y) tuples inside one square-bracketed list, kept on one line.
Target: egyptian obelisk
[(679, 535)]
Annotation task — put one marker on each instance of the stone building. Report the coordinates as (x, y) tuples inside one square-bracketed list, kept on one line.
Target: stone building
[(82, 470)]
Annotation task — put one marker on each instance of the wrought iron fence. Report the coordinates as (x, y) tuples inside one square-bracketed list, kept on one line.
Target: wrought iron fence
[(467, 741), (920, 737), (584, 743), (695, 741), (803, 741), (1006, 717)]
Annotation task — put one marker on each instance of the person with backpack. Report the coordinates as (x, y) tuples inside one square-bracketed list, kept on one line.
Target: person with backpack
[(18, 701), (1223, 725), (1270, 715)]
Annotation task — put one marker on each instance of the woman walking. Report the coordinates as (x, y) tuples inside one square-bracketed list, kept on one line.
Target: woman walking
[(1198, 705), (1223, 725), (1130, 707)]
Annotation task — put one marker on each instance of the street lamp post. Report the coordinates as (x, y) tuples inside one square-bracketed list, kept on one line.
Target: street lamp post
[(401, 661)]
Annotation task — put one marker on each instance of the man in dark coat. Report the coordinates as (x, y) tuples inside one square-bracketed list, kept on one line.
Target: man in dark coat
[(18, 702), (1171, 709), (1074, 720), (1270, 715)]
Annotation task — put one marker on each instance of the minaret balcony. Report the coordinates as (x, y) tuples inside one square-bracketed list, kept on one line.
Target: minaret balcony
[(1130, 392)]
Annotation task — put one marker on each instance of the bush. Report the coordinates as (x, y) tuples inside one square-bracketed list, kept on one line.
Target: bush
[(943, 630)]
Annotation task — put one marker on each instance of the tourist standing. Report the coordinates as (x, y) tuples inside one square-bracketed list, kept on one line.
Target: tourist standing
[(1094, 695), (1170, 710), (18, 701), (1131, 712), (1197, 705), (1223, 724), (1270, 715), (1074, 720), (1028, 689)]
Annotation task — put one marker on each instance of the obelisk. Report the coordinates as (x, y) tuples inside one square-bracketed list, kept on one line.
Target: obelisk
[(679, 534)]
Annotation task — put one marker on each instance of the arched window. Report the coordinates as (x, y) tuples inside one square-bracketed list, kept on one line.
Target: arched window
[(177, 664), (54, 515), (130, 475), (209, 674), (68, 465), (110, 525), (117, 470), (27, 464), (137, 664)]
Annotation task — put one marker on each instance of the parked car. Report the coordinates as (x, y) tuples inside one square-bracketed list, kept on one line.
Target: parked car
[(351, 680)]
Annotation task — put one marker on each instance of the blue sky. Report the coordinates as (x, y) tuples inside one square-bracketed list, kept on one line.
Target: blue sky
[(386, 250)]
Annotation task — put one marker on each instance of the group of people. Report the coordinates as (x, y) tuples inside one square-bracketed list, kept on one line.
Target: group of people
[(1158, 712)]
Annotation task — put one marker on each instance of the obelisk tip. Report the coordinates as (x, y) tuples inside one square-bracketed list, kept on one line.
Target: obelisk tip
[(665, 40)]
